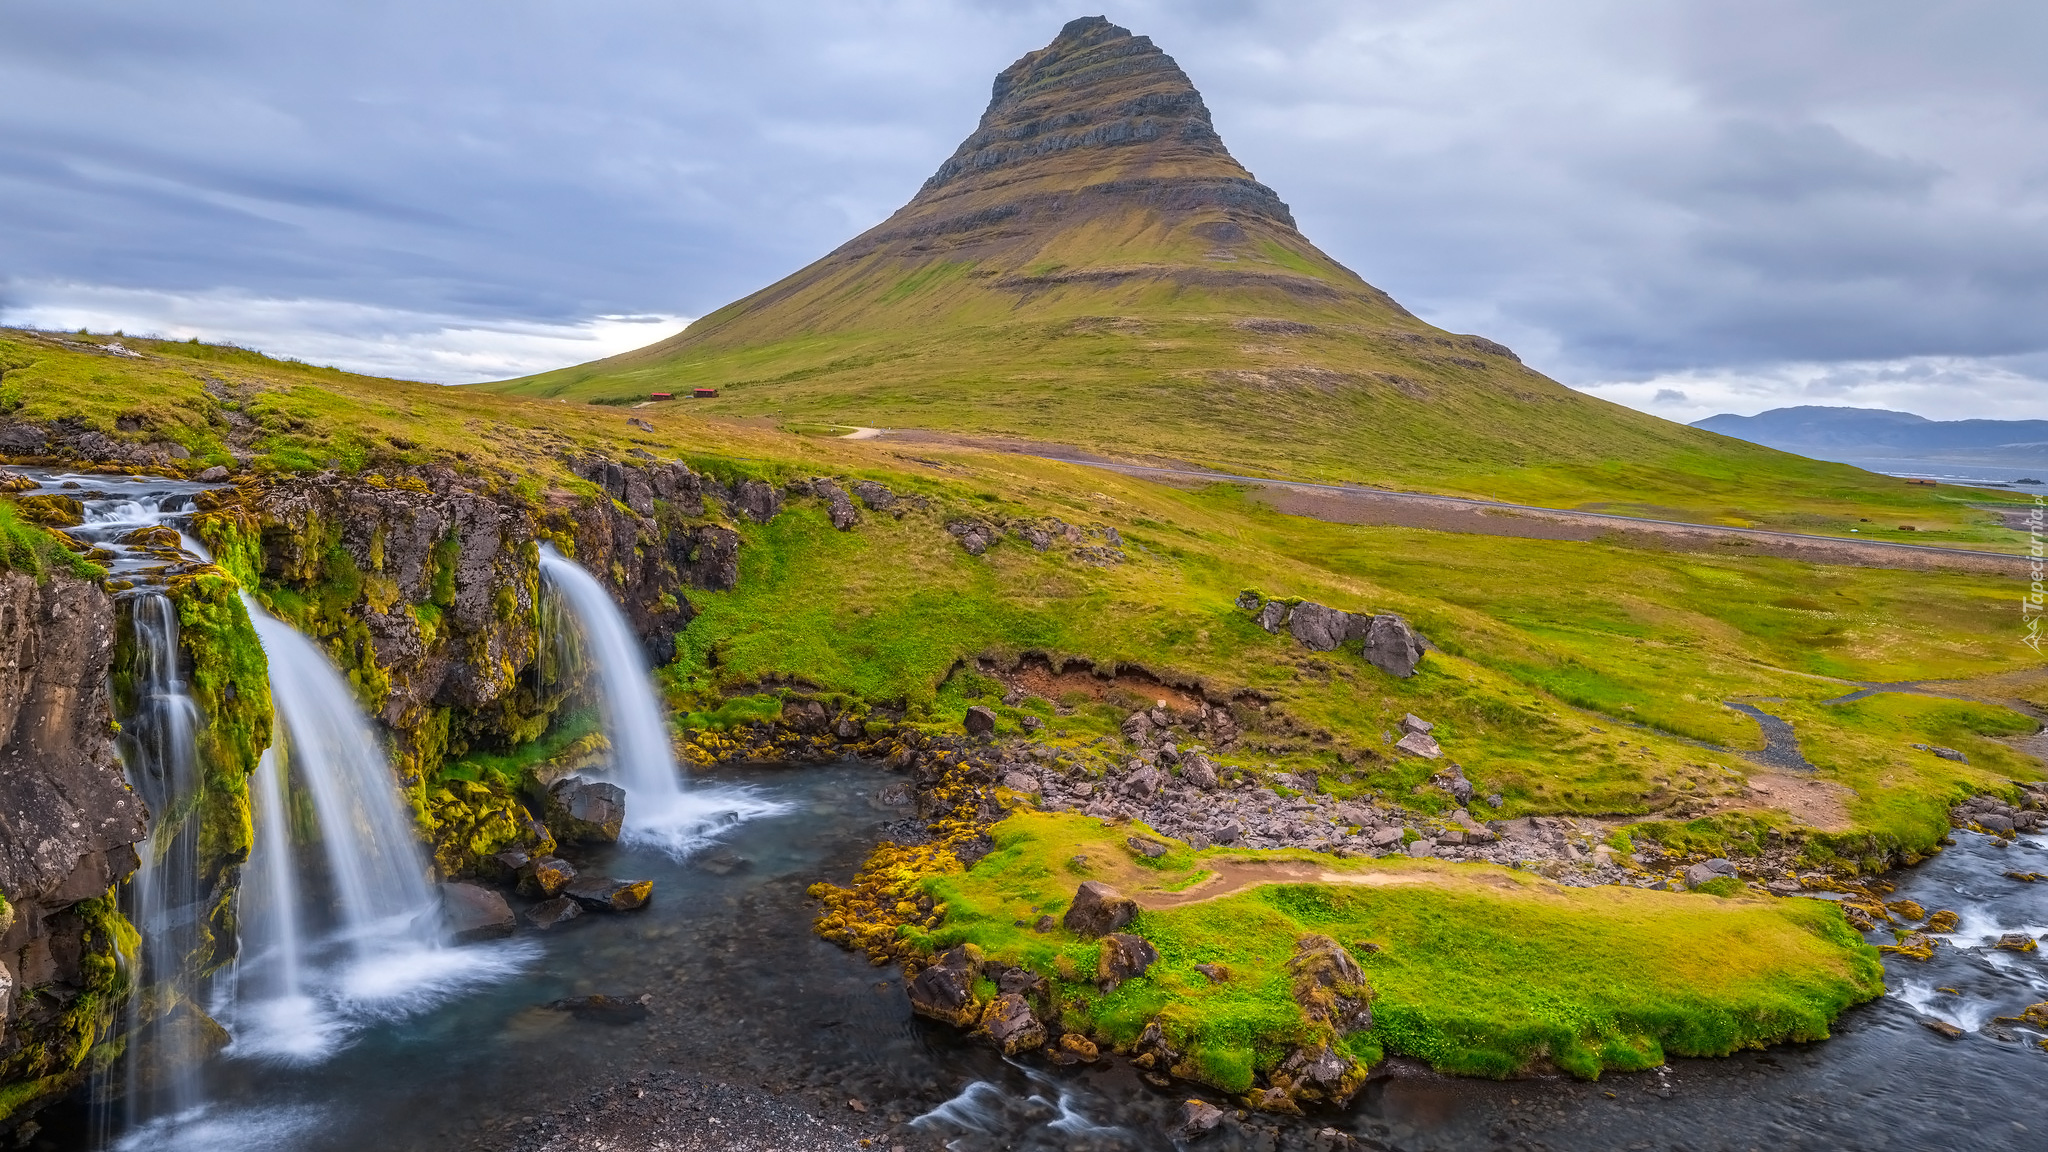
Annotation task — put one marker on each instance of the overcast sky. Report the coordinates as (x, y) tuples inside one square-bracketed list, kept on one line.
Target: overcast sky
[(1690, 206)]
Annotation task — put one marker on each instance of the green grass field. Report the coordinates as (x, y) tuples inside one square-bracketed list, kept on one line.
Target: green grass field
[(1475, 969)]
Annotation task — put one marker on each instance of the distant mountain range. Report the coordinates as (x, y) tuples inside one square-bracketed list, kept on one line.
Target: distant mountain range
[(1892, 441)]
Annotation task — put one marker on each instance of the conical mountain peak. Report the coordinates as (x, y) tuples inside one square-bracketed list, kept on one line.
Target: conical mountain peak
[(1096, 95)]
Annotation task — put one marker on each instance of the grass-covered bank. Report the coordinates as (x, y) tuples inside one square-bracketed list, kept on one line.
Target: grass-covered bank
[(1475, 969)]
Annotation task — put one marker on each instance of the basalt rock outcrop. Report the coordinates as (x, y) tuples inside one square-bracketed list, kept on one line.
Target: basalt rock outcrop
[(68, 823)]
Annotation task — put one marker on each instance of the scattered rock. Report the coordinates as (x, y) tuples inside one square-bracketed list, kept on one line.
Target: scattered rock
[(1045, 924), (837, 506), (1009, 1021), (1197, 1118), (553, 913), (1391, 646), (875, 496), (603, 894), (613, 1010), (757, 500), (980, 722), (1198, 770), (1329, 985), (1418, 744), (1386, 837), (1217, 973), (1320, 1074), (973, 535), (1143, 783), (1098, 910), (1150, 849), (474, 912), (586, 810), (1422, 848), (1318, 628), (1413, 723), (1020, 782), (945, 991), (1995, 824), (807, 716), (1074, 1048), (1124, 957), (545, 877), (213, 475), (1273, 615)]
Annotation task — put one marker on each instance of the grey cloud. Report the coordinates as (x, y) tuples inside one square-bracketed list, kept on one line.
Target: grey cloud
[(1617, 190)]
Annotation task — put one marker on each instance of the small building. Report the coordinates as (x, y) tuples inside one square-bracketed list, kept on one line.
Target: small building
[(661, 396), (703, 393)]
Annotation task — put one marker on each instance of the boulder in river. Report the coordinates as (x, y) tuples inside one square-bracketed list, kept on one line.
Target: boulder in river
[(945, 991), (545, 877), (1098, 910), (604, 894), (614, 1010), (586, 810), (474, 912), (553, 913), (1009, 1021), (1197, 1118)]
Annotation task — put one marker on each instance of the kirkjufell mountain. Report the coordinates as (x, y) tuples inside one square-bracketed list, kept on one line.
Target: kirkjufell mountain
[(1094, 248)]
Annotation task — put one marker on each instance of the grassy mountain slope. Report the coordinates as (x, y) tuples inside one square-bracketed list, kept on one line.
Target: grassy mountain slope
[(1573, 678), (1092, 267)]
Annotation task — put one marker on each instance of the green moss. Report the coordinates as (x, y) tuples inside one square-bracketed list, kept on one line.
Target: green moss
[(25, 547), (1476, 970), (229, 682)]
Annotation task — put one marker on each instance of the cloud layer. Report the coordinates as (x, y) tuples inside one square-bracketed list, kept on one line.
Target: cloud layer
[(1719, 202)]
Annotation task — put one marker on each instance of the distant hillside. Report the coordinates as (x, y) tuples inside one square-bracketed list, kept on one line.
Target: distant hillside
[(1092, 267), (1877, 436)]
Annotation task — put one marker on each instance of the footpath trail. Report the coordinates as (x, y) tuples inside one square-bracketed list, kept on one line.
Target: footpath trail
[(1352, 504)]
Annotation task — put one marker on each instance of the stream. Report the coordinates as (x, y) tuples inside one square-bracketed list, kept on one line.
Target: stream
[(743, 994)]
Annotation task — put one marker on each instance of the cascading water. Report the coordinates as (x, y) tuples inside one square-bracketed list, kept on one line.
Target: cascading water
[(660, 812), (160, 1077), (363, 939)]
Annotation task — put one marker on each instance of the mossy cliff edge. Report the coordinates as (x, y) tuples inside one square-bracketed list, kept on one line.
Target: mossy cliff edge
[(425, 590), (68, 824)]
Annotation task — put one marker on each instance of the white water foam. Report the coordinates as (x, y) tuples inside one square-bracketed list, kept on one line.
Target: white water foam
[(208, 1128)]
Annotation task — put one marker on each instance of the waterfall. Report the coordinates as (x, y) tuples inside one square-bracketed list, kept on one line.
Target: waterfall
[(160, 1074), (660, 812), (371, 944)]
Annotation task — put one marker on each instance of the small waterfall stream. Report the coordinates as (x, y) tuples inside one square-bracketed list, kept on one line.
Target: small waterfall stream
[(165, 902), (660, 812)]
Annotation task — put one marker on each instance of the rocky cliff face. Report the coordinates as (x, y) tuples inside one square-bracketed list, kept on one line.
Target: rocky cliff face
[(67, 825), (425, 588)]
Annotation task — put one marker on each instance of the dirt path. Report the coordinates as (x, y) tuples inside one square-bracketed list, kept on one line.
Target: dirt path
[(1350, 504)]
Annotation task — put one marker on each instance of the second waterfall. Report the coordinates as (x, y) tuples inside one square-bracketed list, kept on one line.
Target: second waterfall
[(660, 811)]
